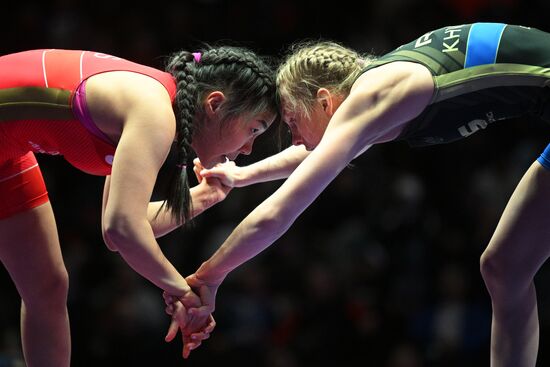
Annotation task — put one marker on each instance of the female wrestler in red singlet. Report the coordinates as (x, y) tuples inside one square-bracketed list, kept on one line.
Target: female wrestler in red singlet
[(111, 117)]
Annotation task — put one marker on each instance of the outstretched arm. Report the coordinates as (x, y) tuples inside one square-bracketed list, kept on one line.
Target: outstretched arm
[(145, 110), (276, 167), (215, 184), (203, 196), (382, 101)]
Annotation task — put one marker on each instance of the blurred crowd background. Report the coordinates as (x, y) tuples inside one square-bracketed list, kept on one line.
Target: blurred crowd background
[(382, 270)]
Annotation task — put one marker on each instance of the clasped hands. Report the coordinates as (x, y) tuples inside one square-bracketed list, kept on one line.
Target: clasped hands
[(192, 314)]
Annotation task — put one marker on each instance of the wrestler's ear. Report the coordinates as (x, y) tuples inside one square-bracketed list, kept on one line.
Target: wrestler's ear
[(213, 102), (325, 98), (328, 101)]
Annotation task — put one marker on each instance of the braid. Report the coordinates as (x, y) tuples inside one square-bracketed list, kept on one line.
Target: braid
[(182, 67), (248, 59), (255, 77), (311, 66)]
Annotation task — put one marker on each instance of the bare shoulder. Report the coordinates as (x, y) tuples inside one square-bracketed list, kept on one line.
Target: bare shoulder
[(385, 98), (126, 83), (114, 98)]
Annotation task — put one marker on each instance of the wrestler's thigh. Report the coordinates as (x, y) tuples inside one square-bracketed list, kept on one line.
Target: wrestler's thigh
[(522, 237)]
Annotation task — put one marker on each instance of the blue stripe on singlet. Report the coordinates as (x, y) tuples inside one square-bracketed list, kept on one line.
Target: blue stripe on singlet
[(544, 158), (483, 42)]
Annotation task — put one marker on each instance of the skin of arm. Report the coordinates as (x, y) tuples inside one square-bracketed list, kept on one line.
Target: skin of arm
[(276, 167), (206, 194), (379, 105), (148, 131)]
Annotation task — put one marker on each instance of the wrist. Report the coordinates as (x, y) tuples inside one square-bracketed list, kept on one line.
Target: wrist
[(178, 290), (203, 198), (247, 175), (208, 276)]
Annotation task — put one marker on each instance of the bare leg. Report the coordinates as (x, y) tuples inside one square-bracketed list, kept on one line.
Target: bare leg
[(517, 250), (30, 251)]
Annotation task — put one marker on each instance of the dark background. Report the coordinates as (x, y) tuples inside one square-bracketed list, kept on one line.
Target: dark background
[(382, 270)]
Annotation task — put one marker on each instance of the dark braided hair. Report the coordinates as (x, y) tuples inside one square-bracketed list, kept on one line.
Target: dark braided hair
[(246, 79)]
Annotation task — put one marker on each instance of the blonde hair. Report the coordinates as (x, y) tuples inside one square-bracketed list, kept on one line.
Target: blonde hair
[(311, 65)]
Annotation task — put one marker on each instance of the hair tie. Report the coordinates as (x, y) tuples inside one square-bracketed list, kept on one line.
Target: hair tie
[(182, 166), (197, 56)]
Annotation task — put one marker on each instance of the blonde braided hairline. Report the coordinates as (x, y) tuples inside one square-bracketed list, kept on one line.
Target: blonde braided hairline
[(311, 66)]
